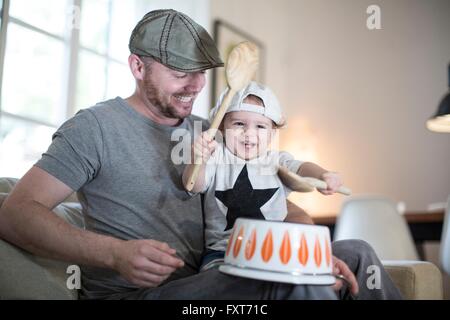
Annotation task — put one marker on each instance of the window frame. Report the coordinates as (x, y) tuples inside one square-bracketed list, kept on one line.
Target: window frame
[(71, 71), (73, 47)]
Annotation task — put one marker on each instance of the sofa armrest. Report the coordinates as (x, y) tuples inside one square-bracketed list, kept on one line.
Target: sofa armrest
[(416, 280), (26, 276)]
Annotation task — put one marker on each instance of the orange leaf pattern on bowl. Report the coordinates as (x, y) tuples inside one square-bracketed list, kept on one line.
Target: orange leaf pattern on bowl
[(238, 242), (303, 251), (267, 248), (317, 252), (285, 249), (230, 243), (250, 246), (327, 252)]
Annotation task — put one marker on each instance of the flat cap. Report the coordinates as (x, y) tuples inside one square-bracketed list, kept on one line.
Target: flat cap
[(175, 40), (271, 109)]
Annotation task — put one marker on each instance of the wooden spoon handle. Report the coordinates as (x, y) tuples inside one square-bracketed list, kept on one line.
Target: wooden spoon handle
[(192, 178), (322, 185), (222, 110)]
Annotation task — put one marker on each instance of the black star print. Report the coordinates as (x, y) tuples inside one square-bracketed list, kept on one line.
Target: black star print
[(244, 201)]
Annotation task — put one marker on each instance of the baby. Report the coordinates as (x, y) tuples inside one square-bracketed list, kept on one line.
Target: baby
[(238, 177)]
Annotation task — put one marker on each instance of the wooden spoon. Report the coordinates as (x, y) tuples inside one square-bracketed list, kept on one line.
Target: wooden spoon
[(305, 184), (241, 67)]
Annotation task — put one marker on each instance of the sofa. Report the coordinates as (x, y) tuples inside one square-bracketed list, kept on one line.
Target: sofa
[(26, 276)]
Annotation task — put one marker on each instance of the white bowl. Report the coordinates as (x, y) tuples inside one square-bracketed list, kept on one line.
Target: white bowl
[(279, 251)]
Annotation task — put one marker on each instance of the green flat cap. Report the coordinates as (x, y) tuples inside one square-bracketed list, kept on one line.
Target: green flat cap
[(175, 40)]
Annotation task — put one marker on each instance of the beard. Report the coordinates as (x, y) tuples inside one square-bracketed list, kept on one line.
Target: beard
[(161, 101)]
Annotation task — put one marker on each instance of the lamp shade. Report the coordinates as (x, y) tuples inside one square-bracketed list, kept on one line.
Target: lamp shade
[(441, 120)]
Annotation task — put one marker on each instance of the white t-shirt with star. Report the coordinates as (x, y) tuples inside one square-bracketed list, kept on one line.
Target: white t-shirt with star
[(238, 188)]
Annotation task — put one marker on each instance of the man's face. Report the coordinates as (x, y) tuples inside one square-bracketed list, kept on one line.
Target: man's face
[(172, 92)]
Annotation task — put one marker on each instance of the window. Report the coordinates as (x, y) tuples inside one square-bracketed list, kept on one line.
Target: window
[(58, 56), (34, 47)]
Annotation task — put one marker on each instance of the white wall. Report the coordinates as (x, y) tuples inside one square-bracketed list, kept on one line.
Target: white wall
[(357, 100)]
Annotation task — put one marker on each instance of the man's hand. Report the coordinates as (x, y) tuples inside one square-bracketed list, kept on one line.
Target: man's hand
[(333, 181), (341, 268), (145, 263)]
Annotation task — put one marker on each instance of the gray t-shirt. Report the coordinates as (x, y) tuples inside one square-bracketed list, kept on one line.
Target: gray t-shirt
[(120, 164)]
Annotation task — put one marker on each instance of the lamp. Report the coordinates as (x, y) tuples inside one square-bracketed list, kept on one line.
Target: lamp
[(441, 120)]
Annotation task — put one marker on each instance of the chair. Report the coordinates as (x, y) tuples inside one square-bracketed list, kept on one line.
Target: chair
[(376, 220), (445, 240)]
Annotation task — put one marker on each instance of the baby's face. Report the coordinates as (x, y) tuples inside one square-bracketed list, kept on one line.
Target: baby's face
[(247, 134)]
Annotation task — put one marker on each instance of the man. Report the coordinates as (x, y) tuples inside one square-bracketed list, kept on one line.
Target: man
[(144, 234)]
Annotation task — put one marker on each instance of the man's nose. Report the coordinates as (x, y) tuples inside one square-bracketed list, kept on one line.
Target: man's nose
[(196, 81)]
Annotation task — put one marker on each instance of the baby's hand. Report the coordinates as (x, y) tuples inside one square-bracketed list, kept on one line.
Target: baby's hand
[(203, 147), (333, 181)]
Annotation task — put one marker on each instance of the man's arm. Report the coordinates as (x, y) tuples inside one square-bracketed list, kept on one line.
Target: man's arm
[(27, 221)]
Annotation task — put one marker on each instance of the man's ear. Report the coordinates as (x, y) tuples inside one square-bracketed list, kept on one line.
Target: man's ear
[(137, 67)]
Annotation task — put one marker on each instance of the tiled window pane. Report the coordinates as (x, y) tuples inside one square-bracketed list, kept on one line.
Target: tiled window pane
[(125, 15), (48, 15), (21, 145), (91, 80), (94, 25), (33, 81), (120, 81)]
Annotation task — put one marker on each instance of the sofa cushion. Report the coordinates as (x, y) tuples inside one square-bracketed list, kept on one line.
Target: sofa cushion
[(6, 184), (26, 276)]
